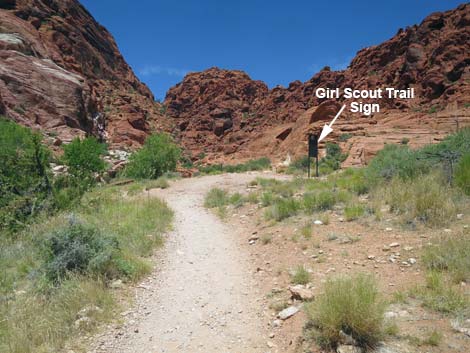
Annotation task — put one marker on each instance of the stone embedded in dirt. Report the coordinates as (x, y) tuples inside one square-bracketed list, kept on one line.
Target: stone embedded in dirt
[(288, 312), (388, 229), (300, 292), (394, 245), (318, 222), (371, 257), (254, 237), (346, 339), (412, 260), (386, 248), (277, 323), (349, 349), (460, 216), (117, 284)]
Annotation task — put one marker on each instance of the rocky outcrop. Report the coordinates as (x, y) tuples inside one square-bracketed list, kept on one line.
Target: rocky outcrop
[(60, 71), (226, 115)]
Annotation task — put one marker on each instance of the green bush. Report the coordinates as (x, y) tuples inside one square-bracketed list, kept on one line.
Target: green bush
[(300, 276), (352, 305), (462, 174), (395, 161), (24, 175), (158, 156), (78, 248), (400, 161), (320, 201), (282, 209), (83, 157)]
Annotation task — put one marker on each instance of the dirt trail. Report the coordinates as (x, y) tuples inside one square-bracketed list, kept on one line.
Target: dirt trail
[(202, 296)]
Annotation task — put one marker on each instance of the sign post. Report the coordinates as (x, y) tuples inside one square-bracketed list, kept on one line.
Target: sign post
[(313, 151)]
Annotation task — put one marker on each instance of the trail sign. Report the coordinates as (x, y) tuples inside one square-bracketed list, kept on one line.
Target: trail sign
[(312, 145), (312, 151)]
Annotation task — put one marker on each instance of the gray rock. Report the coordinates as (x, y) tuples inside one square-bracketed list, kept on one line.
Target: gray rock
[(288, 312)]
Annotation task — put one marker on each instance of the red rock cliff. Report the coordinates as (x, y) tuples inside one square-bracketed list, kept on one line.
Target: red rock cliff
[(62, 72)]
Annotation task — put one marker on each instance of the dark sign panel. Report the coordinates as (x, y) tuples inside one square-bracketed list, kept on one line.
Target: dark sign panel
[(312, 145)]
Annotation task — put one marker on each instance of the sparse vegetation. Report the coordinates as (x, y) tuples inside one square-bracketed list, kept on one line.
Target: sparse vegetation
[(428, 200), (301, 276), (349, 304), (354, 211), (462, 174), (254, 164), (216, 198), (449, 254)]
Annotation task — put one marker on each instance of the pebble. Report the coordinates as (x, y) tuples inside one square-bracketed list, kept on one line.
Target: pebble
[(394, 245), (318, 222)]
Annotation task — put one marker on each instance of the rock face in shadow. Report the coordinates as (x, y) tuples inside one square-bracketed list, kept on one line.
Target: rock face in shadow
[(226, 115), (60, 71)]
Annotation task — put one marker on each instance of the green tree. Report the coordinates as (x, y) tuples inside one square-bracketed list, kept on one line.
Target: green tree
[(83, 157), (158, 156), (24, 174)]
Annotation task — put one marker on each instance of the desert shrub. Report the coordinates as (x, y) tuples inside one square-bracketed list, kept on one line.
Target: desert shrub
[(333, 159), (24, 175), (300, 164), (282, 209), (158, 156), (349, 304), (354, 211), (216, 198), (300, 276), (428, 200), (395, 161), (462, 174), (353, 180), (160, 183), (236, 199), (267, 198), (400, 161), (320, 201), (78, 248), (344, 137), (449, 254)]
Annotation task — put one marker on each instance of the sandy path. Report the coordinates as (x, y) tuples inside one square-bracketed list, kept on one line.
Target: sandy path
[(202, 296)]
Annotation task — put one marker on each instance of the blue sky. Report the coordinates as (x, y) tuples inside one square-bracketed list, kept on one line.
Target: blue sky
[(272, 40)]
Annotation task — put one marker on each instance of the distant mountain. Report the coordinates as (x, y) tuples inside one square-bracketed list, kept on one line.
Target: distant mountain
[(223, 113)]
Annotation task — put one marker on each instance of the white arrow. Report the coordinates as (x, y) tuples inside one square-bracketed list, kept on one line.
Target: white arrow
[(327, 128)]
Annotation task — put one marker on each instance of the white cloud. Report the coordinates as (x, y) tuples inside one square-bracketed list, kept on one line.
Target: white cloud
[(161, 70)]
